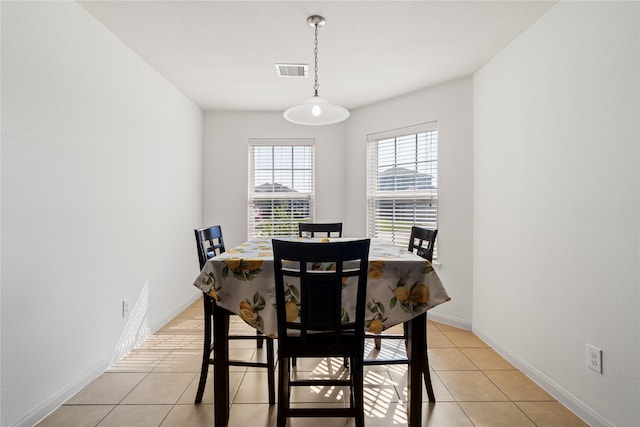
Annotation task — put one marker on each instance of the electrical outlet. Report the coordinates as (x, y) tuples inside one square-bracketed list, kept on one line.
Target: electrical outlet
[(126, 307), (594, 358)]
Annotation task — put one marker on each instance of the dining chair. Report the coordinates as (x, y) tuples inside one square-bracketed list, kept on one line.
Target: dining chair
[(421, 242), (327, 229), (311, 322), (319, 229), (209, 243)]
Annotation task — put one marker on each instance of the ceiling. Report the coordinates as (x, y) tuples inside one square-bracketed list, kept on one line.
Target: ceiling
[(221, 54)]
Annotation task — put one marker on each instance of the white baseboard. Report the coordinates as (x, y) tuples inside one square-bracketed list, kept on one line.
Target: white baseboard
[(563, 396), (41, 411), (449, 320)]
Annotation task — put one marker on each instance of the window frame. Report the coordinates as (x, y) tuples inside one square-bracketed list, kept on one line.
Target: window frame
[(424, 216), (290, 227)]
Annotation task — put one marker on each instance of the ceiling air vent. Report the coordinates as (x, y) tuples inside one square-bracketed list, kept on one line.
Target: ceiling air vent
[(292, 70)]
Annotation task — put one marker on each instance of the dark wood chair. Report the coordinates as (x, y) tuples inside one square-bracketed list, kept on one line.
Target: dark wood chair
[(209, 243), (327, 229), (313, 325), (319, 229), (421, 242)]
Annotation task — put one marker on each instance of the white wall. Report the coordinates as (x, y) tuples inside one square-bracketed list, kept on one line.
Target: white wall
[(451, 105), (226, 163), (556, 200), (101, 189)]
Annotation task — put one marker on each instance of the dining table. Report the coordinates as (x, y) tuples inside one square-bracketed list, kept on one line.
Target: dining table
[(401, 287)]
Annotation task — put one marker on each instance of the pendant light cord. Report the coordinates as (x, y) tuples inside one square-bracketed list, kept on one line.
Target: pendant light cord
[(315, 53)]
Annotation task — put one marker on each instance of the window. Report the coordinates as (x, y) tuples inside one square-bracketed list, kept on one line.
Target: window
[(402, 182), (281, 186)]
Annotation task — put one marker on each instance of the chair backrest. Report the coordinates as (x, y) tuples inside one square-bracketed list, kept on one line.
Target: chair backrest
[(325, 229), (209, 243), (310, 300), (422, 240)]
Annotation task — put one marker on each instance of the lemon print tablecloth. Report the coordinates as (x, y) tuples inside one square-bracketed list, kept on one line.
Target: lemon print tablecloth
[(401, 285)]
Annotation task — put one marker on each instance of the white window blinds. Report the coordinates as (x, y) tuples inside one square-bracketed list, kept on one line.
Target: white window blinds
[(402, 182), (281, 186)]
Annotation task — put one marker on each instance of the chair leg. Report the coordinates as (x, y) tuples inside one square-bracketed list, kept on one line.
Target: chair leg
[(259, 338), (357, 375), (427, 377), (206, 350), (271, 375), (283, 391), (377, 342), (426, 373)]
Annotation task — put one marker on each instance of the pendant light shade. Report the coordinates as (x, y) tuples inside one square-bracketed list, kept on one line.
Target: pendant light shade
[(316, 110)]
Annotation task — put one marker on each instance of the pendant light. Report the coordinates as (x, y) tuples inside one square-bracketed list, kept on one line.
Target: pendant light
[(316, 110)]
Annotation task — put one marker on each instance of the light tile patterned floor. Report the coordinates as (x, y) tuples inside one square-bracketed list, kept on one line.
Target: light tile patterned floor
[(155, 385)]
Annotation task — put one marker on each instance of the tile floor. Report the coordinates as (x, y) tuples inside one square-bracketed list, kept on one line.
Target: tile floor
[(155, 385)]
